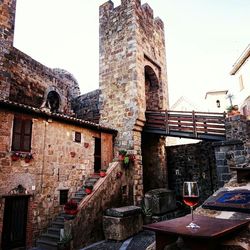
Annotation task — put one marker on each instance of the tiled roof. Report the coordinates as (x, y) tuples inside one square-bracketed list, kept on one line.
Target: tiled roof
[(57, 116)]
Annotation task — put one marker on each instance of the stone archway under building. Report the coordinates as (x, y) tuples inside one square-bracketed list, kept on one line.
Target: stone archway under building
[(153, 146)]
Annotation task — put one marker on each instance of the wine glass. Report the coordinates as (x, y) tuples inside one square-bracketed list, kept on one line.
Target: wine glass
[(191, 198)]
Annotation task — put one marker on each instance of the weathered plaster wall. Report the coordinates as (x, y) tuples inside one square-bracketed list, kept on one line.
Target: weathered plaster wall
[(54, 167)]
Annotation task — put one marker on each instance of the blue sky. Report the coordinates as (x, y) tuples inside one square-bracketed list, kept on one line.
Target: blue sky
[(203, 40)]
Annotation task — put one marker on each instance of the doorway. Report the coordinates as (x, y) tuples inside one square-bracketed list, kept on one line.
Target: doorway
[(97, 155), (15, 222)]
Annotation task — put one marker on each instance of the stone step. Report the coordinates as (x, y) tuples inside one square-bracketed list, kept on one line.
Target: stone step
[(59, 218), (67, 216), (77, 199), (50, 237), (46, 244), (90, 183), (54, 230), (57, 224), (80, 194)]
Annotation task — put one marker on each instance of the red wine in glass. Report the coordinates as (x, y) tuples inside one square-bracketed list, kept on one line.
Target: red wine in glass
[(191, 198), (191, 201)]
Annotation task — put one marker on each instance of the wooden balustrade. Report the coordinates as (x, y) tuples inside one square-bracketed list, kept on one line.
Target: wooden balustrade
[(187, 124)]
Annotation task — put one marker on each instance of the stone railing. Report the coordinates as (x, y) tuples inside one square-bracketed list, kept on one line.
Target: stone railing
[(87, 226)]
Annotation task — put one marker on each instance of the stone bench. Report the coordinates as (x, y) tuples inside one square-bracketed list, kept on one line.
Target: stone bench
[(121, 223)]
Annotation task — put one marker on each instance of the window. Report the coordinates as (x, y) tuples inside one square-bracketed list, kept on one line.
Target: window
[(21, 139), (64, 196), (241, 82), (218, 103), (78, 137)]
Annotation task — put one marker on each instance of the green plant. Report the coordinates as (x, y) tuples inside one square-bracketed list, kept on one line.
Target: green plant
[(122, 152)]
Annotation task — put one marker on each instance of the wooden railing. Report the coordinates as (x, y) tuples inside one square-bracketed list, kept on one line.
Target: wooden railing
[(187, 124)]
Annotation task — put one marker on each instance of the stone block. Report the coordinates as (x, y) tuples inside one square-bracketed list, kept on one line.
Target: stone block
[(121, 228), (160, 200), (123, 211)]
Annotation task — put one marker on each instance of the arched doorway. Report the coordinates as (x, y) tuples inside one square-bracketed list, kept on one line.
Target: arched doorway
[(153, 146), (53, 101), (151, 89)]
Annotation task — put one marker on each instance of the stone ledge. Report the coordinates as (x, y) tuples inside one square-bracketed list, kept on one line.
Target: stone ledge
[(123, 211)]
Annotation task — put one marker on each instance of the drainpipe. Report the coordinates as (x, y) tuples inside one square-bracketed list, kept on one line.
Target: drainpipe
[(44, 146)]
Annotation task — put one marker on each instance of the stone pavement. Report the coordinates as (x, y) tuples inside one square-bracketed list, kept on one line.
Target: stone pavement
[(139, 241)]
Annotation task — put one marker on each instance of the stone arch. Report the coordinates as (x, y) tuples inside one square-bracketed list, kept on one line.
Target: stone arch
[(151, 89), (53, 100)]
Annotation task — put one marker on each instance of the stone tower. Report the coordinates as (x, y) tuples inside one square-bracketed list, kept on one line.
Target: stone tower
[(133, 79), (7, 23)]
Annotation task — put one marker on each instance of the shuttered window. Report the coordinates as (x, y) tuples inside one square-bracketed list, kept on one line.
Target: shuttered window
[(21, 139)]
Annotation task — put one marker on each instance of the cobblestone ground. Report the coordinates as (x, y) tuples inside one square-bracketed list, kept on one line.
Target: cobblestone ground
[(138, 242)]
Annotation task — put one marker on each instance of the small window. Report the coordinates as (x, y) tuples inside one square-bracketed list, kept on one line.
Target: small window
[(78, 137), (21, 139), (241, 83), (64, 196), (218, 103)]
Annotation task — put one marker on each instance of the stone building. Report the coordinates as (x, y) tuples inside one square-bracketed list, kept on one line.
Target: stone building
[(241, 74), (53, 138), (46, 152)]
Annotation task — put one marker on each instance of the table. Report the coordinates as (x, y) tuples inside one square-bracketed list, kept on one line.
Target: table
[(208, 236)]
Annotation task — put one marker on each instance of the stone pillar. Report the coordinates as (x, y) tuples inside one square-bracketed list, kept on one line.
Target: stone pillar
[(7, 22)]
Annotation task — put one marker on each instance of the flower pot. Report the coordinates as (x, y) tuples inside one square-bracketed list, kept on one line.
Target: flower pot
[(102, 174), (121, 157), (14, 158), (70, 211), (27, 160), (88, 190)]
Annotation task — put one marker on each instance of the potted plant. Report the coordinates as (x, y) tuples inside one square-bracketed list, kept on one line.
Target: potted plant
[(122, 154), (102, 172), (88, 189), (71, 207), (233, 110), (15, 156), (28, 157)]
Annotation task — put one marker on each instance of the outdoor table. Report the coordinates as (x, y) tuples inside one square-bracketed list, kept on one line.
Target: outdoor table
[(208, 236)]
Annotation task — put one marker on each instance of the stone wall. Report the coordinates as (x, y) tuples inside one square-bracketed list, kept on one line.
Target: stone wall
[(31, 82), (86, 106), (192, 162), (235, 151), (131, 41), (7, 21), (59, 163), (87, 227)]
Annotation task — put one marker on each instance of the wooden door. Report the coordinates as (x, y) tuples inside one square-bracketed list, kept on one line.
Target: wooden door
[(97, 155), (14, 222)]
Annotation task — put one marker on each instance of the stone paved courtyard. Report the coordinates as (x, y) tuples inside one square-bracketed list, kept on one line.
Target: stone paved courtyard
[(138, 242)]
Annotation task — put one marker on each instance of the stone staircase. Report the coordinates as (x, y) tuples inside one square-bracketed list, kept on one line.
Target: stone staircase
[(49, 240)]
